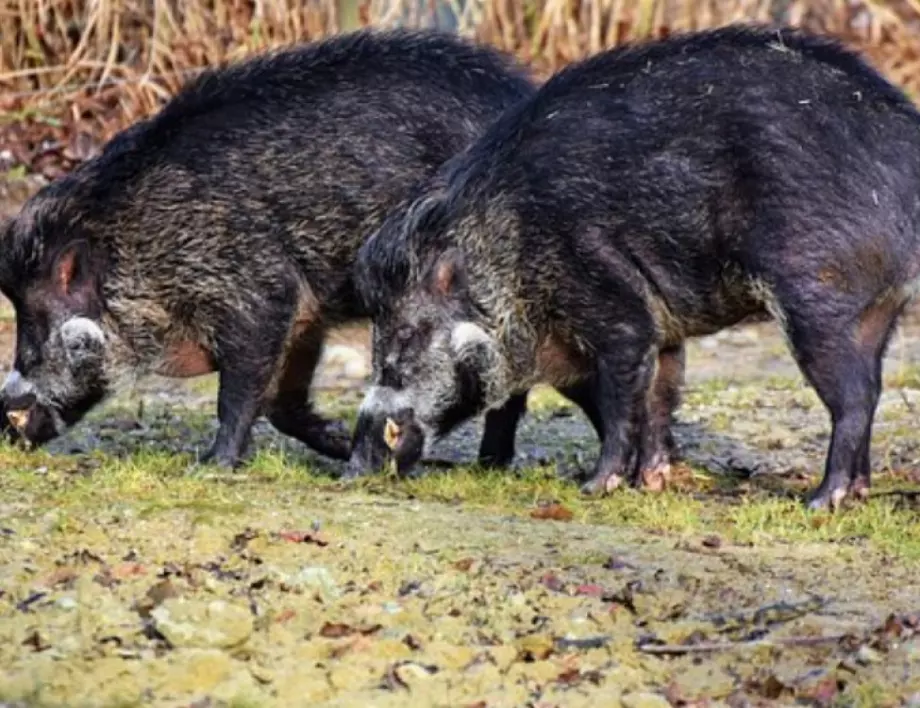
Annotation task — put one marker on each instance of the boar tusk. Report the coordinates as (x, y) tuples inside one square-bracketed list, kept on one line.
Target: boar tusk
[(19, 419), (391, 433)]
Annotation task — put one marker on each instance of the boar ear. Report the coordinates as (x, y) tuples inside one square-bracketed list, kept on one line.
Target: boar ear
[(448, 275), (69, 268)]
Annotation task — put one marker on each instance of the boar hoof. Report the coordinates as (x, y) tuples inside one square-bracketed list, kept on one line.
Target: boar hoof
[(655, 478), (219, 458), (601, 484), (827, 500), (859, 490)]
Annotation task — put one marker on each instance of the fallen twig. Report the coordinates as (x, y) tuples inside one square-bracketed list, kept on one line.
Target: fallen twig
[(707, 647)]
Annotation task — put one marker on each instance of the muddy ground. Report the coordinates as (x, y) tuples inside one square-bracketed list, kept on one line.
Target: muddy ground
[(129, 576)]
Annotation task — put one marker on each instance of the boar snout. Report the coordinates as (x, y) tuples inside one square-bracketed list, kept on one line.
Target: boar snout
[(24, 416), (18, 393), (384, 433)]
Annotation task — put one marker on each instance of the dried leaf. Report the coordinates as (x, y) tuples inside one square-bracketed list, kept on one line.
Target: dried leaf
[(285, 615), (464, 564), (359, 643), (60, 576), (156, 595), (535, 647), (712, 541), (773, 688), (552, 512), (617, 563), (36, 641), (241, 539), (824, 693), (552, 582), (334, 631), (26, 605), (123, 571), (304, 537)]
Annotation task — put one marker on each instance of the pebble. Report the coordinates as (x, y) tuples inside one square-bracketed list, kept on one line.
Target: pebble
[(212, 625), (644, 700), (66, 603), (316, 579), (350, 362)]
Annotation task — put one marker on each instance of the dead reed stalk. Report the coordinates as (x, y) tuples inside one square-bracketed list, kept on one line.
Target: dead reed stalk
[(109, 62)]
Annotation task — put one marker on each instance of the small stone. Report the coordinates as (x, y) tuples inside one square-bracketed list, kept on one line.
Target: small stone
[(66, 603), (199, 670), (504, 655), (412, 674), (350, 361), (644, 700), (867, 655), (449, 656), (217, 624), (535, 647), (314, 579), (300, 688)]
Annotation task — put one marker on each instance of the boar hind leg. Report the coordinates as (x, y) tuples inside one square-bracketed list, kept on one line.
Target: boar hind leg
[(656, 443), (497, 448), (839, 348), (290, 410)]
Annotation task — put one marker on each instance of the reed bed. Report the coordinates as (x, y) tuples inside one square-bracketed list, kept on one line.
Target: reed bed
[(82, 69)]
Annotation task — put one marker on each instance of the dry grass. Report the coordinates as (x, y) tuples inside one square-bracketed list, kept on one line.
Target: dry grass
[(110, 62)]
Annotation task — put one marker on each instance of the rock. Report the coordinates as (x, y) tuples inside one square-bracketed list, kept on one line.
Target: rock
[(412, 674), (350, 361), (698, 682), (504, 655), (449, 656), (314, 579), (198, 670), (644, 700), (303, 687), (867, 655), (213, 625), (66, 602), (535, 647)]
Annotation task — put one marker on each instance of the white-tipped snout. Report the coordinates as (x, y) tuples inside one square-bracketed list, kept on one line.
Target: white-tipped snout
[(83, 339), (16, 386), (382, 401), (466, 337), (79, 331)]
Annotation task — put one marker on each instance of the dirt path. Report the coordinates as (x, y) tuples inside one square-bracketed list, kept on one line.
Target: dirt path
[(128, 578)]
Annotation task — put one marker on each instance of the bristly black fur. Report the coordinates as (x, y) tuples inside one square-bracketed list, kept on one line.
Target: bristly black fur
[(661, 191), (226, 225)]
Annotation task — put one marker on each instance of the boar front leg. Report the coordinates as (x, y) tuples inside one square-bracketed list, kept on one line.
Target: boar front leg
[(247, 359), (291, 411), (624, 374), (497, 446)]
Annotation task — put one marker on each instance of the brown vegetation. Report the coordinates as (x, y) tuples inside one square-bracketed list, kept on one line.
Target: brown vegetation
[(72, 72)]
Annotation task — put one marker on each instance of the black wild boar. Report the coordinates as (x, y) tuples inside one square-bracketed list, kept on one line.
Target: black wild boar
[(646, 195), (219, 235)]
